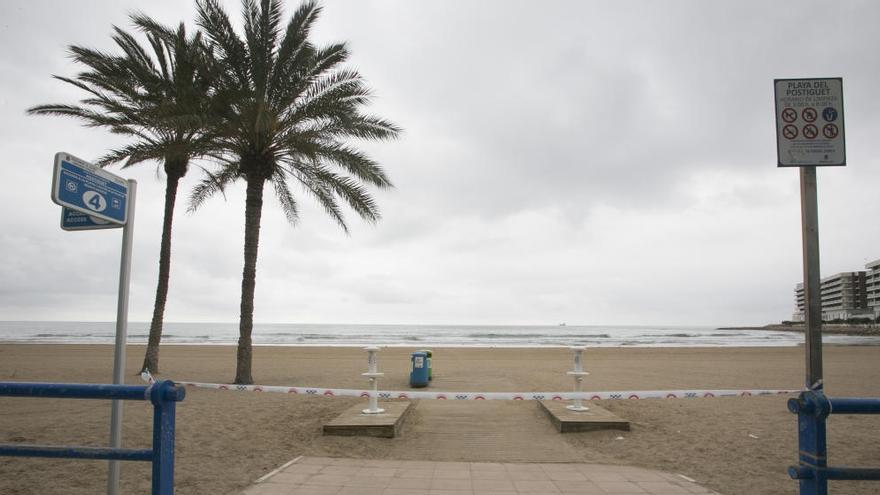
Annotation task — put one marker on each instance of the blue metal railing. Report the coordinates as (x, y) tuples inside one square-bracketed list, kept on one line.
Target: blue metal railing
[(163, 394), (813, 472)]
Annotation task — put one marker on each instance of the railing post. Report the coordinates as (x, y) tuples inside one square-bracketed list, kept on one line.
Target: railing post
[(164, 396), (812, 408)]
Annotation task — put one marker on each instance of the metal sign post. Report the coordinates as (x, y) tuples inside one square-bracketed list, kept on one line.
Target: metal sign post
[(121, 337), (810, 133), (92, 198), (812, 283)]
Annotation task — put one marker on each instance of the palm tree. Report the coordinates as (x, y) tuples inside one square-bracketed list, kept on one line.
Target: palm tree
[(159, 101), (286, 109)]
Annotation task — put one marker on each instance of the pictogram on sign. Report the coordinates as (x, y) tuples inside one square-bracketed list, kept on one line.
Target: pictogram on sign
[(830, 131), (789, 115), (829, 114), (810, 131), (809, 114), (790, 131)]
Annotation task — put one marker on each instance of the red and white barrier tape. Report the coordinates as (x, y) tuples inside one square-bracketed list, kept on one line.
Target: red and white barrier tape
[(408, 394)]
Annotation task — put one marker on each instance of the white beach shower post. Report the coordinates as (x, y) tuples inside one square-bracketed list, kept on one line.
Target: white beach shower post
[(578, 373), (373, 374)]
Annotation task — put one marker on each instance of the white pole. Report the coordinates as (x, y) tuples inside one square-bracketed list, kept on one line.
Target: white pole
[(121, 336), (373, 374), (578, 373)]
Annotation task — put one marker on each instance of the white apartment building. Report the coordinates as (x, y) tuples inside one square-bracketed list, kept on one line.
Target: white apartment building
[(846, 295), (872, 288)]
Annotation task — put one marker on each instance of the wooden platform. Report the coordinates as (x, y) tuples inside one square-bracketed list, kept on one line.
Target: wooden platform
[(353, 422), (567, 421)]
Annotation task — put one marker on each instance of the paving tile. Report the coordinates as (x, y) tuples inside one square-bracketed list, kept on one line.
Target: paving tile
[(489, 475), (566, 476), (497, 485), (384, 472), (304, 468), (451, 484), (661, 487), (416, 473), (343, 476), (528, 486), (327, 479), (267, 489), (288, 478), (361, 490), (418, 464), (619, 487), (405, 491), (367, 481), (578, 487), (642, 475), (528, 475), (413, 483), (606, 476), (340, 470), (461, 474), (315, 490)]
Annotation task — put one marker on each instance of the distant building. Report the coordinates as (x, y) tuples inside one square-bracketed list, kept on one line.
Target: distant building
[(872, 287), (846, 296)]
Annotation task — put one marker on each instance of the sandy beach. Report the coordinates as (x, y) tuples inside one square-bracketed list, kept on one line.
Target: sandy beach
[(226, 440)]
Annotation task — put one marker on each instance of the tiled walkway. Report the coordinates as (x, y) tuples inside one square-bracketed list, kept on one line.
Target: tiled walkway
[(337, 476)]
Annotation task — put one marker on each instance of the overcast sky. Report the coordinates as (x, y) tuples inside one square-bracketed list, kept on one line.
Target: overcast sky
[(579, 162)]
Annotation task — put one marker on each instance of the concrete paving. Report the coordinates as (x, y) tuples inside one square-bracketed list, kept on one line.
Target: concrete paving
[(341, 476), (479, 431)]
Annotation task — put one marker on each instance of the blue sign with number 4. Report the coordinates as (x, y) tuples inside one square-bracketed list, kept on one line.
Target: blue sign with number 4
[(88, 189)]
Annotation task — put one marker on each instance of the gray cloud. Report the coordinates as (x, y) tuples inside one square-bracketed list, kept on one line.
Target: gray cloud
[(588, 162)]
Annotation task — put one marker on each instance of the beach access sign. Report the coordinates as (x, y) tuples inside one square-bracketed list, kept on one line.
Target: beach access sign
[(75, 220), (809, 122), (88, 191)]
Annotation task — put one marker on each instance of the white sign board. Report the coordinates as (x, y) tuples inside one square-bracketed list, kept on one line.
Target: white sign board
[(809, 122)]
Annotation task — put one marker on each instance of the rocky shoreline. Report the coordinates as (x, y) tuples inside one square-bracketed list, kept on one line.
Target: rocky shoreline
[(827, 328)]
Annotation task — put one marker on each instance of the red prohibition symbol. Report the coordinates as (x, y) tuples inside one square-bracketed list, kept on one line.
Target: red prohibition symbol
[(790, 131), (809, 114), (810, 131), (830, 131), (789, 115)]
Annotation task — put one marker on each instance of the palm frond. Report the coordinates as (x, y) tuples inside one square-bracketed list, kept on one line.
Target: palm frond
[(285, 198), (213, 19), (212, 184)]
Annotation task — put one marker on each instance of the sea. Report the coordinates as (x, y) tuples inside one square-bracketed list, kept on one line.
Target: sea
[(282, 334)]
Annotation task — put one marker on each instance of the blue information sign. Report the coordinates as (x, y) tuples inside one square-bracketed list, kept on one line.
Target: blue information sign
[(74, 220), (86, 188)]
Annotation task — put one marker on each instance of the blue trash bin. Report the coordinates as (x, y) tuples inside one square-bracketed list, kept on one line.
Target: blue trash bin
[(418, 377)]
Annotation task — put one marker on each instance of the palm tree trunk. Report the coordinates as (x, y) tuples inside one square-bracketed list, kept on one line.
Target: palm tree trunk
[(252, 213), (151, 358)]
